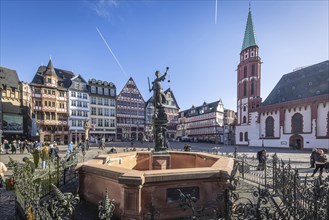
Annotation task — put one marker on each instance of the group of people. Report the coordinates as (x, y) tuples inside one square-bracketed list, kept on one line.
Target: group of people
[(318, 160), (16, 145)]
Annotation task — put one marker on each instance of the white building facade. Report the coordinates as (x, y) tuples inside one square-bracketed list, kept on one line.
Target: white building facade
[(102, 96), (78, 108)]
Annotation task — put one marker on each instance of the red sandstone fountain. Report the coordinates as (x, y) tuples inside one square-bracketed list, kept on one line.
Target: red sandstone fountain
[(139, 180)]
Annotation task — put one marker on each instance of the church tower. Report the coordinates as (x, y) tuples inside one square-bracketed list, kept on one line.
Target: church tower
[(248, 75)]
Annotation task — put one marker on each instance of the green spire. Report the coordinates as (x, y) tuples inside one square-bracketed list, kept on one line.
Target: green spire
[(249, 35)]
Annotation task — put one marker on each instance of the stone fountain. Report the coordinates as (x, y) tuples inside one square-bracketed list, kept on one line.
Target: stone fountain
[(145, 181)]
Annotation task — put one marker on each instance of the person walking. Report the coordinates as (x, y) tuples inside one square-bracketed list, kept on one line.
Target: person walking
[(36, 156), (320, 162), (261, 156), (312, 157), (13, 148), (45, 156), (6, 146), (70, 148)]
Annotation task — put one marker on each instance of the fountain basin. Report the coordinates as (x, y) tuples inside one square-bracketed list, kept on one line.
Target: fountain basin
[(137, 180)]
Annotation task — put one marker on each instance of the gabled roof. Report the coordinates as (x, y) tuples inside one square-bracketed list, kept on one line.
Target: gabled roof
[(249, 34), (77, 77), (126, 85), (303, 83), (8, 77), (206, 107), (172, 95), (165, 92), (64, 76)]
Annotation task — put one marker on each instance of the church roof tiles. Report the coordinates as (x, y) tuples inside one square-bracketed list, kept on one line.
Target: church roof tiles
[(303, 83)]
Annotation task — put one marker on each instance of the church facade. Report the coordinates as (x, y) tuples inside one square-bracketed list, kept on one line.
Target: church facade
[(296, 112)]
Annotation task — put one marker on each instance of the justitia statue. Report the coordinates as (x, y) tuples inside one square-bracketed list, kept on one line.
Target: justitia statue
[(159, 97), (159, 117)]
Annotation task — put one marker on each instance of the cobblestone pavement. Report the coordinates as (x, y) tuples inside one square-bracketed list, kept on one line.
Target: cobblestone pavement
[(298, 159)]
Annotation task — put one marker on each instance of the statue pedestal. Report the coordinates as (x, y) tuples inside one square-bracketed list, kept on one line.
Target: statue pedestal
[(160, 161)]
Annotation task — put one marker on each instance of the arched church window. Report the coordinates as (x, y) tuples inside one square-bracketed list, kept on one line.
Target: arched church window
[(297, 123), (246, 136), (253, 69), (245, 88), (241, 136), (244, 108), (244, 119), (269, 127), (245, 72), (252, 86)]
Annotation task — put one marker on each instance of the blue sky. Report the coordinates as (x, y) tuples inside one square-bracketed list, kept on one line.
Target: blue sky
[(201, 52)]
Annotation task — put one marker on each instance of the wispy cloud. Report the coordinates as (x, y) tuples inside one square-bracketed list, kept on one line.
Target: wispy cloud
[(103, 7)]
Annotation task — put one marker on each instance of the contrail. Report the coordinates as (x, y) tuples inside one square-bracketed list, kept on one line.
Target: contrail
[(108, 47), (215, 11)]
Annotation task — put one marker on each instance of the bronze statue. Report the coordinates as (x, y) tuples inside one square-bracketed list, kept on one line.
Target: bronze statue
[(160, 119), (158, 94)]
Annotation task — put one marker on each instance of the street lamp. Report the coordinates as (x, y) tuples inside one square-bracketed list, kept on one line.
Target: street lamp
[(262, 141)]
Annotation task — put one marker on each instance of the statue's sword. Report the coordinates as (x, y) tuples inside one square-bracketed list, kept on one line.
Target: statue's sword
[(148, 78)]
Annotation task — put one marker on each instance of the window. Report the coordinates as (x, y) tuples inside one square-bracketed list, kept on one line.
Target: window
[(244, 108), (93, 89), (100, 90), (48, 80), (61, 94), (74, 123), (100, 111), (46, 103), (74, 103), (74, 113), (79, 95), (252, 86), (112, 112), (100, 101), (84, 96), (79, 123), (100, 122), (53, 92), (93, 100), (85, 104), (244, 119), (106, 101), (269, 127), (106, 91), (241, 136), (93, 121), (245, 72), (253, 69), (53, 104), (112, 91), (297, 123), (246, 136), (112, 123), (106, 122), (106, 112), (93, 111), (49, 92)]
